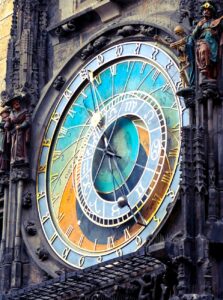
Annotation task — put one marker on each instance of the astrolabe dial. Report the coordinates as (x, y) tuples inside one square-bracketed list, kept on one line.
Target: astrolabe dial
[(125, 157), (109, 161)]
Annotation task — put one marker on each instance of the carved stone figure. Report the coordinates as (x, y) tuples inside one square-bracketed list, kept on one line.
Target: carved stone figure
[(208, 34), (185, 47), (17, 126), (186, 57), (4, 143)]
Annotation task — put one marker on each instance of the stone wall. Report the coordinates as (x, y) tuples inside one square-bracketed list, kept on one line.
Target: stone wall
[(6, 8), (160, 12)]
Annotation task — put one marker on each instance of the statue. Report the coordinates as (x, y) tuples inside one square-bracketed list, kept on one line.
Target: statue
[(185, 47), (186, 57), (4, 143), (18, 126), (208, 34)]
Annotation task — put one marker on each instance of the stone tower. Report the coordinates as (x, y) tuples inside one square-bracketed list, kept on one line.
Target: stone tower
[(166, 241)]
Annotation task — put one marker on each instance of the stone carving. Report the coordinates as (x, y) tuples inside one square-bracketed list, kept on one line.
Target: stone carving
[(147, 30), (59, 82), (185, 47), (126, 31), (30, 228), (189, 10), (27, 48), (42, 253), (27, 200), (21, 173), (4, 141), (92, 47), (17, 127), (207, 34)]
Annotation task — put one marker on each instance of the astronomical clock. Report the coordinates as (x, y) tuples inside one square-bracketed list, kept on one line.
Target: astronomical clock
[(108, 166)]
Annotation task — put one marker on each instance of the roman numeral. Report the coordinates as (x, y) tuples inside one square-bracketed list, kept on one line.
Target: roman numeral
[(156, 75), (63, 132), (166, 177), (71, 112), (113, 70), (80, 242), (69, 230), (95, 244), (157, 198), (143, 68), (56, 154), (54, 198), (173, 152), (60, 216), (127, 234), (166, 87), (53, 177), (110, 242), (98, 79)]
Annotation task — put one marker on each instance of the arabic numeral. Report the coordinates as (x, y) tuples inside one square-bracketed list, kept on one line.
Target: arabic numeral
[(155, 149), (119, 50)]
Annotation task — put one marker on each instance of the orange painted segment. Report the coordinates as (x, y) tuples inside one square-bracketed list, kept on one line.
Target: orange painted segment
[(69, 223)]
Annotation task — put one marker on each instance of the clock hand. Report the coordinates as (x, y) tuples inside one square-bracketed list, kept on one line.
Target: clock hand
[(122, 202), (120, 174), (105, 151), (113, 177)]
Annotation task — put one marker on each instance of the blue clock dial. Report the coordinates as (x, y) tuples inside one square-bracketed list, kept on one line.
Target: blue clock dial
[(109, 163)]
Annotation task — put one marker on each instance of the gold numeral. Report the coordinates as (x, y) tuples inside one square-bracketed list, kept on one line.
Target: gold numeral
[(55, 117), (156, 220), (46, 143), (40, 195), (173, 152), (42, 169), (166, 177), (53, 238), (45, 218), (157, 198)]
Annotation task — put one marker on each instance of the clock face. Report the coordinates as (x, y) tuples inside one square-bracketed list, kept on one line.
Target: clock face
[(109, 161)]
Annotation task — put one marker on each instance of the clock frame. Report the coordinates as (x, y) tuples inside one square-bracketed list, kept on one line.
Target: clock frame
[(133, 84)]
